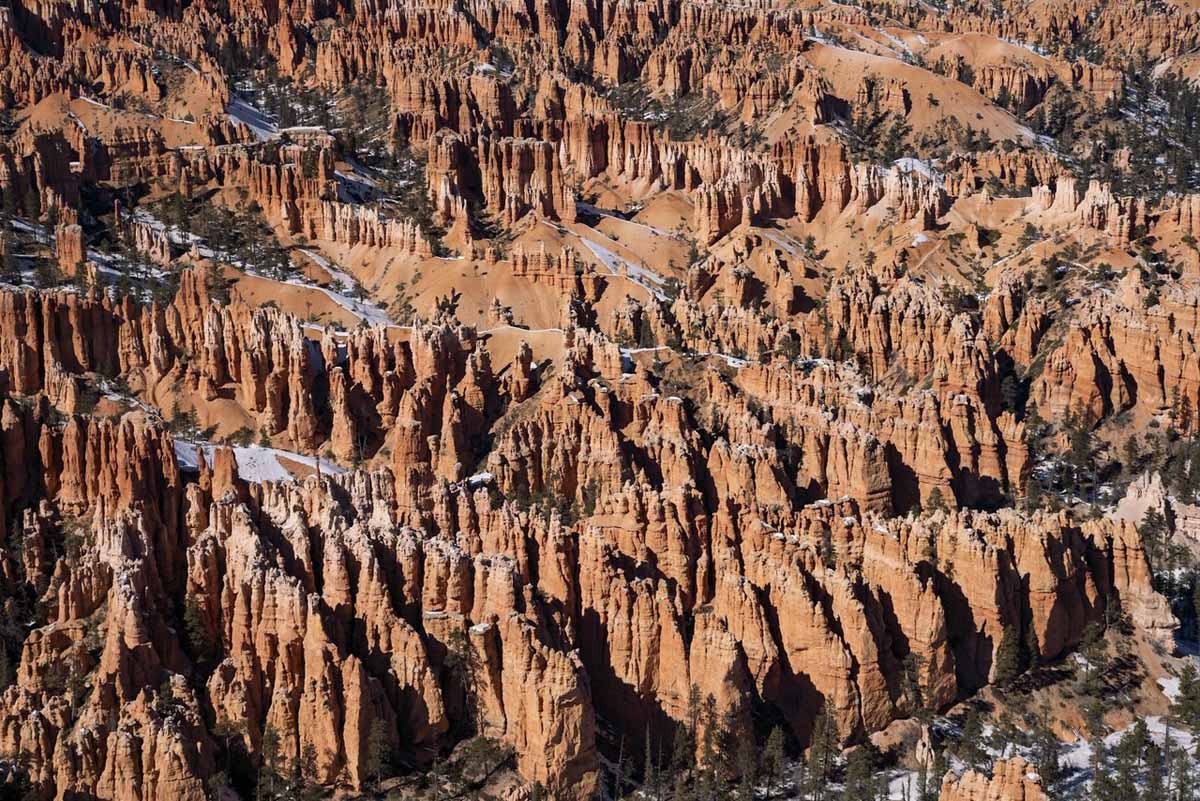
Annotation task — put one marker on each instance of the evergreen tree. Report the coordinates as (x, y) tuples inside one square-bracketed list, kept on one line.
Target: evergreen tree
[(46, 273), (936, 501), (1186, 707), (1046, 753), (1196, 605), (1153, 530), (774, 756), (747, 765), (462, 662), (923, 783), (1008, 656), (683, 790), (1005, 735), (1103, 785), (619, 771), (8, 673), (16, 786), (709, 742), (268, 775), (822, 749), (800, 778), (683, 750), (310, 789), (1184, 775), (1031, 649), (1131, 454), (33, 203), (933, 788), (694, 704), (1095, 656), (862, 781), (970, 746), (198, 640), (649, 772), (1080, 444), (379, 752), (10, 266), (1155, 781), (1120, 781)]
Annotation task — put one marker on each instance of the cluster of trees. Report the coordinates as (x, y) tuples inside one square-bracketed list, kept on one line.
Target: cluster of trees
[(14, 267), (1072, 474), (722, 756), (240, 236), (1138, 766), (1157, 120), (271, 777), (877, 134)]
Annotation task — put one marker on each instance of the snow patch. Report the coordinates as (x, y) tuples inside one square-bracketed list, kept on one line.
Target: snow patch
[(254, 463), (262, 127)]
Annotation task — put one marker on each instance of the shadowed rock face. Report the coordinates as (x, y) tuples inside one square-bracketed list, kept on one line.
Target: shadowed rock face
[(608, 361)]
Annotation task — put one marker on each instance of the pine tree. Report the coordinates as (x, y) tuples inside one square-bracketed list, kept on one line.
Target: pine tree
[(933, 789), (1131, 454), (1095, 655), (747, 765), (1005, 735), (821, 751), (1186, 707), (1153, 530), (1103, 786), (1185, 776), (46, 273), (310, 788), (649, 772), (683, 791), (379, 751), (913, 690), (862, 775), (693, 712), (1121, 781), (1046, 752), (196, 632), (10, 267), (709, 735), (33, 202), (936, 501), (1155, 781), (683, 750), (970, 746), (8, 675), (268, 774), (773, 756), (1008, 656), (619, 771), (1196, 606)]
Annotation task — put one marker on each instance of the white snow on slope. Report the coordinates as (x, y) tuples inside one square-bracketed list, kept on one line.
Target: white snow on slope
[(255, 120), (254, 463), (337, 275), (363, 310), (588, 208), (919, 166), (650, 281)]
